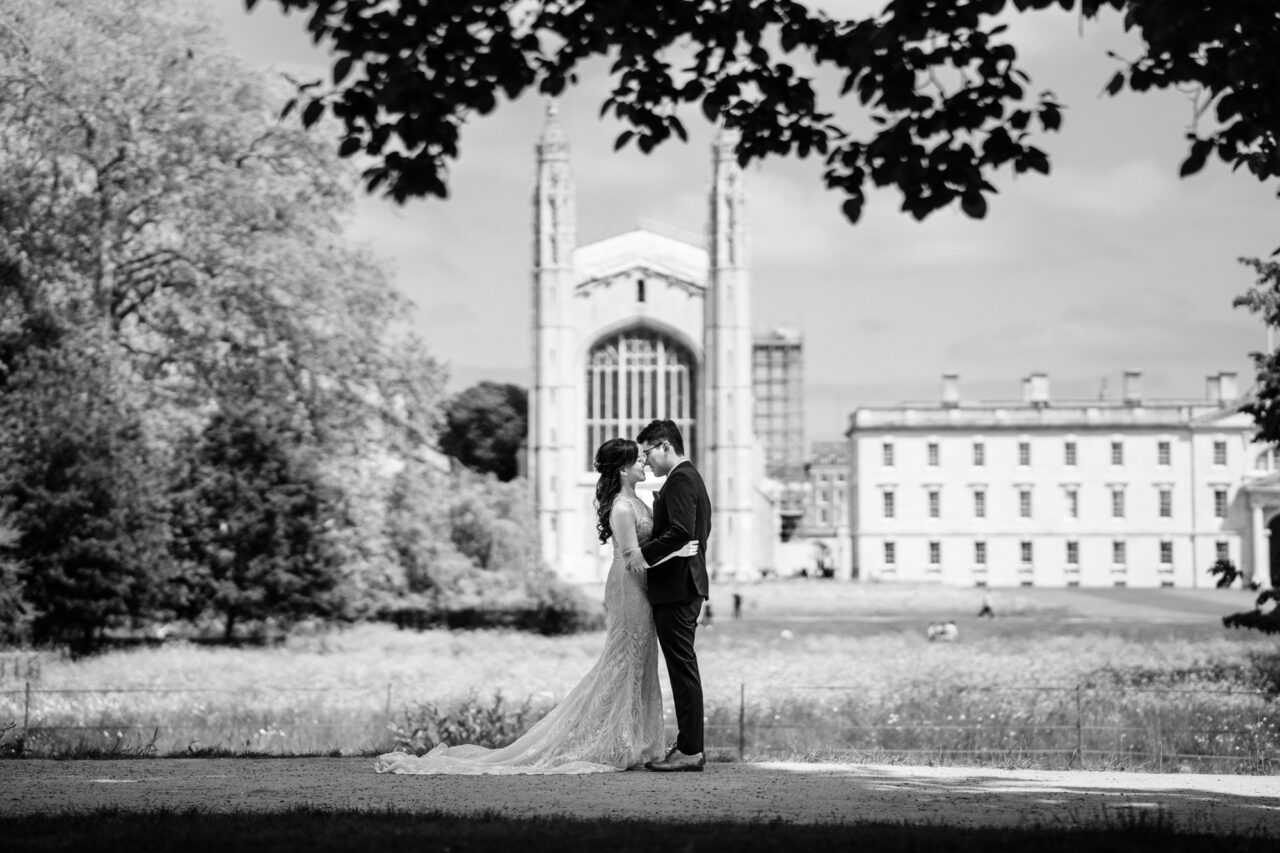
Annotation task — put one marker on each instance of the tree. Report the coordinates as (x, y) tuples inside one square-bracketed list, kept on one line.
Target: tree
[(941, 84), (16, 613), (1259, 618), (83, 490), (152, 201), (1264, 406), (1264, 299), (249, 521), (147, 186), (485, 427)]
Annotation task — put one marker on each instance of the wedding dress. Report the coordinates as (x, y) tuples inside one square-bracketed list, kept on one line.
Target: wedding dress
[(611, 720)]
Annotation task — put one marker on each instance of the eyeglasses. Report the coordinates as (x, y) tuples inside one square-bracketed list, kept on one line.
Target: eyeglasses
[(649, 450)]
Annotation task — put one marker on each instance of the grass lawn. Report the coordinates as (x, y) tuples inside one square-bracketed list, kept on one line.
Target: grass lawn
[(813, 667)]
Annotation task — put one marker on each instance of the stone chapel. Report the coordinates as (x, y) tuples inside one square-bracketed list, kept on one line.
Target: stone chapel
[(634, 327)]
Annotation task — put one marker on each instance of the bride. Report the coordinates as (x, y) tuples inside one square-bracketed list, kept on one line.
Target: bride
[(612, 720)]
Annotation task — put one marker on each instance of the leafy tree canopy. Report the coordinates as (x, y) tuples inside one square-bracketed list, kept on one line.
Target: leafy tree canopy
[(485, 426), (175, 277), (941, 83)]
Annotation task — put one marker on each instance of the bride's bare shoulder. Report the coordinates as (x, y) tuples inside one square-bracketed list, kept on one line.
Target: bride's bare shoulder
[(623, 507)]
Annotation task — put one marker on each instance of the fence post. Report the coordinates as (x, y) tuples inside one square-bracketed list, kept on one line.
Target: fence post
[(387, 714), (1159, 745), (1079, 753), (742, 719), (26, 711)]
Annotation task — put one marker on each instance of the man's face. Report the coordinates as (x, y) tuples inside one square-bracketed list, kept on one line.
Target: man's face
[(658, 457)]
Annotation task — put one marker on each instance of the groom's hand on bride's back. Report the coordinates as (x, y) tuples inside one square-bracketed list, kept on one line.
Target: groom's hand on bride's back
[(634, 560)]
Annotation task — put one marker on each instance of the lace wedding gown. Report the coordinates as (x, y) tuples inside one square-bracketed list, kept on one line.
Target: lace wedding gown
[(610, 721)]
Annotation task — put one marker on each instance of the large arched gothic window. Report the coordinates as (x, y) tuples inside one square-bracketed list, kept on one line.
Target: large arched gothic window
[(635, 377)]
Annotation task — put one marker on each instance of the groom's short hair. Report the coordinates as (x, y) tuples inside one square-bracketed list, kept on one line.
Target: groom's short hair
[(660, 431)]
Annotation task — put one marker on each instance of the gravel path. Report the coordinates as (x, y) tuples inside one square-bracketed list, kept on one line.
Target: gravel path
[(803, 793)]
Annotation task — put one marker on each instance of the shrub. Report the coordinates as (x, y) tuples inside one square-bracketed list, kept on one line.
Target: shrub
[(494, 724), (540, 603)]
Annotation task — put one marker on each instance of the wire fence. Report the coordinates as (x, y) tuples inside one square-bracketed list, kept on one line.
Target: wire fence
[(1068, 725)]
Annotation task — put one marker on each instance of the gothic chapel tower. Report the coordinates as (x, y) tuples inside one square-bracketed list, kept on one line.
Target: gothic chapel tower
[(729, 431), (640, 325), (553, 406)]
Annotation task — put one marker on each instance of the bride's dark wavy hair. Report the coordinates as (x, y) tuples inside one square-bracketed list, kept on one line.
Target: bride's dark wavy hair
[(611, 458)]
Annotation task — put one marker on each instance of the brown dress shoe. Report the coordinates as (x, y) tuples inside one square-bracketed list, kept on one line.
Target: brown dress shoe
[(677, 762)]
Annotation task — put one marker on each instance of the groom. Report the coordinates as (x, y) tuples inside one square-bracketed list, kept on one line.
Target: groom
[(677, 588)]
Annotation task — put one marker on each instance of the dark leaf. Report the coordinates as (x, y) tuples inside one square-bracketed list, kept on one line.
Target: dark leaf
[(852, 209), (974, 205), (623, 139), (349, 146), (1116, 84), (1050, 117), (341, 69), (1196, 159), (312, 113), (1227, 107), (711, 108)]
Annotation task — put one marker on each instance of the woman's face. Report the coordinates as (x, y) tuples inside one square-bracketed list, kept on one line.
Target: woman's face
[(634, 473)]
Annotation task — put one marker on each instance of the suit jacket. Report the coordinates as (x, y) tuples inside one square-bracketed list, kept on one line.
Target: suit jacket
[(681, 514)]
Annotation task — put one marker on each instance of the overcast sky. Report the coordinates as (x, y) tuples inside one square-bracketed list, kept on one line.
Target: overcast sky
[(1109, 263)]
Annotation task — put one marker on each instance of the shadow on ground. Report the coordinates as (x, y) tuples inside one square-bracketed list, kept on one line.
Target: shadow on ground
[(182, 796)]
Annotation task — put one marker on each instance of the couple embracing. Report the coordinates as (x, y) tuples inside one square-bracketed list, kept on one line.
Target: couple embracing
[(612, 720)]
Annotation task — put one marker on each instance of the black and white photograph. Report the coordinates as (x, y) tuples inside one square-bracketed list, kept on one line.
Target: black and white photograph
[(693, 425)]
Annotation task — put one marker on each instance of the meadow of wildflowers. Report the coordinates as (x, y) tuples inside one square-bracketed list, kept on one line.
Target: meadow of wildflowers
[(1033, 688)]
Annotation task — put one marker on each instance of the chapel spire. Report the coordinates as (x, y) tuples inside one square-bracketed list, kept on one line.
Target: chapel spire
[(552, 144), (555, 214)]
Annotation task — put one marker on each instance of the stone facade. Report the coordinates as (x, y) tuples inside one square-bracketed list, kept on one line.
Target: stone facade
[(639, 326), (1039, 492)]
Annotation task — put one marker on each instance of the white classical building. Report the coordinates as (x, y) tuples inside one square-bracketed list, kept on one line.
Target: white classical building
[(635, 327), (1039, 492)]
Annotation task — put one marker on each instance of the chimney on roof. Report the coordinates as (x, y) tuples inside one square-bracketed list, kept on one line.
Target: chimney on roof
[(1035, 390), (950, 390), (1227, 385), (1213, 388), (1133, 387)]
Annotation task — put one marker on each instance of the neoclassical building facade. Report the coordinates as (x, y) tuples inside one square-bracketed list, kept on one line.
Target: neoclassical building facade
[(635, 327), (1042, 492)]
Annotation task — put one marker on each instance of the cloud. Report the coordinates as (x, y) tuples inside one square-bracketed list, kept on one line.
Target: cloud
[(1127, 190)]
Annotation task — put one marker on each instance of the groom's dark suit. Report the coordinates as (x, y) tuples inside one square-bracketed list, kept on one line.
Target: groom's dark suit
[(681, 514)]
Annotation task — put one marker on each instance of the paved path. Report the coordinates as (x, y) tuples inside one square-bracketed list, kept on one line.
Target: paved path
[(802, 793)]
